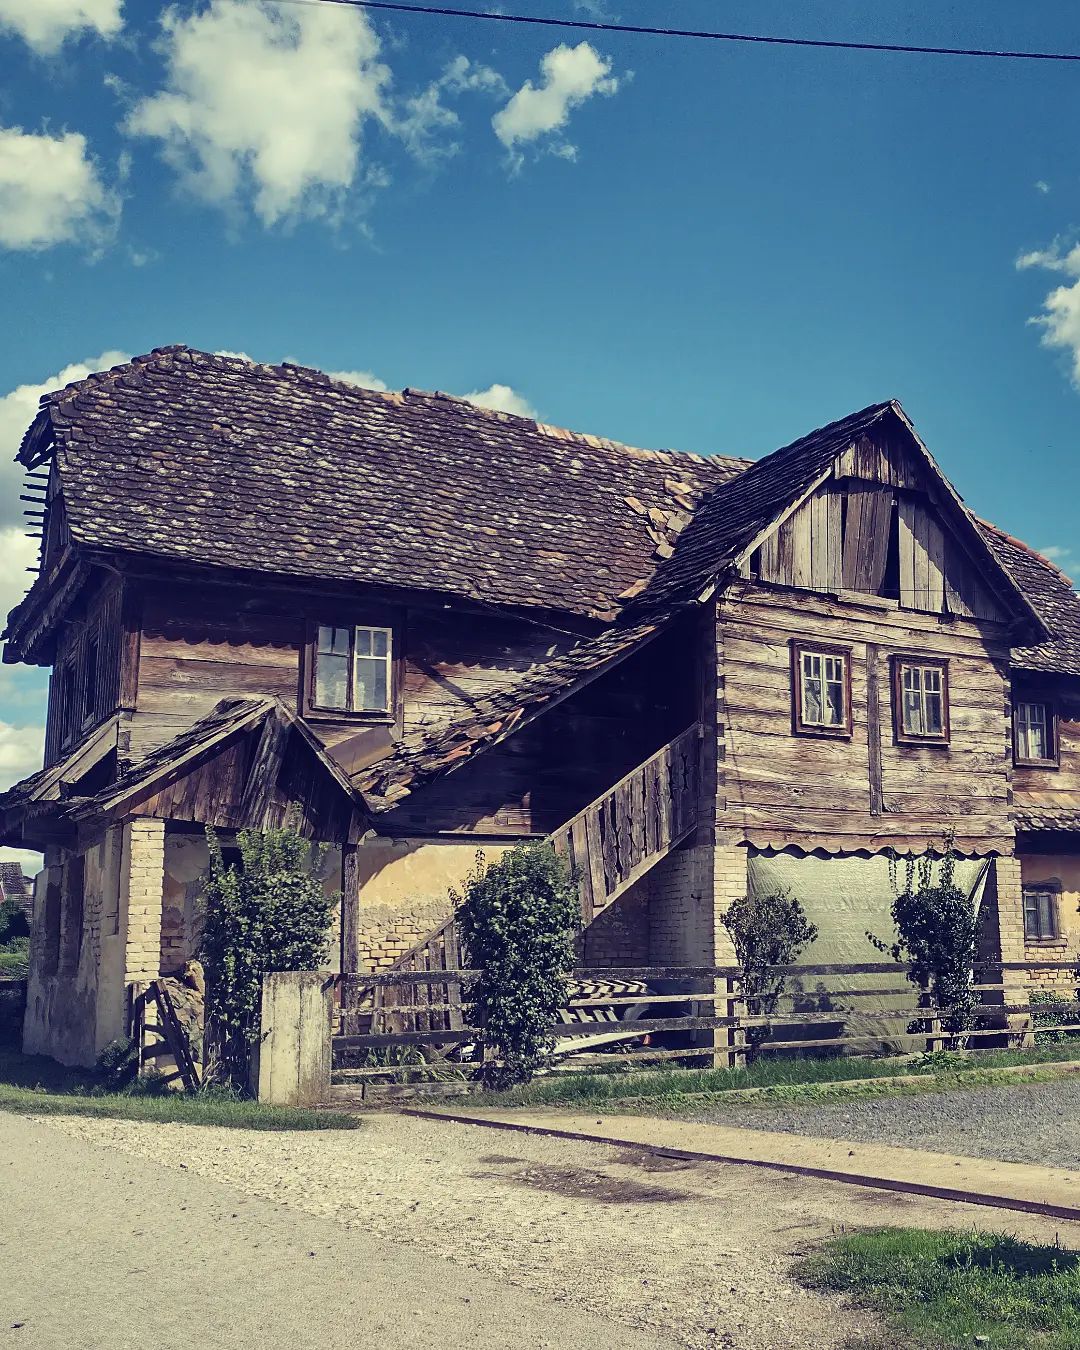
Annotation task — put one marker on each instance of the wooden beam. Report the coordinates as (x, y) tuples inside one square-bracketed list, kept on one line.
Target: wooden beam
[(265, 768)]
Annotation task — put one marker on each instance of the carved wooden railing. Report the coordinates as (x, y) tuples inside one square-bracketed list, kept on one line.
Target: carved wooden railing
[(617, 838), (611, 844)]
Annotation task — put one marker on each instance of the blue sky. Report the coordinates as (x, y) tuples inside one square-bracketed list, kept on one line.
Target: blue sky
[(697, 245)]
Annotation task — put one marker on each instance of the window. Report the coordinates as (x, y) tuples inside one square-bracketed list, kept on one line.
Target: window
[(90, 674), (1040, 913), (822, 690), (921, 700), (352, 669), (1034, 733)]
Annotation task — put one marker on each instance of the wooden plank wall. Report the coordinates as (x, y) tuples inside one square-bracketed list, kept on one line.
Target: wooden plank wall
[(197, 649), (544, 774), (839, 539), (93, 626), (1050, 787), (779, 789)]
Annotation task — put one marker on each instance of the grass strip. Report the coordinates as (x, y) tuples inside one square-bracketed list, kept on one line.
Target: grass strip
[(36, 1086), (941, 1291), (786, 1080)]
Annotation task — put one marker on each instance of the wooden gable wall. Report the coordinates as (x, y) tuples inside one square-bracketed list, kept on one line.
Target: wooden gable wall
[(876, 527)]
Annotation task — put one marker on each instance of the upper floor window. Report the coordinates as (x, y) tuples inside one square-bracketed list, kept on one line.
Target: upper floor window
[(1034, 733), (352, 669), (1041, 913), (921, 700), (822, 689)]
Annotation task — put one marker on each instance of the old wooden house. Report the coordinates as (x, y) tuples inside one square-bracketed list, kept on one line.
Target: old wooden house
[(435, 628)]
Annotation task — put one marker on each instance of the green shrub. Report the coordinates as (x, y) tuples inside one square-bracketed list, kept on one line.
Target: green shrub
[(269, 914), (1047, 1011), (13, 922), (518, 919), (937, 931), (768, 931)]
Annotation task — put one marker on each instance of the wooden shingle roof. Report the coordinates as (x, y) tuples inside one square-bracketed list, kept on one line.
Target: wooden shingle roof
[(1052, 595), (214, 460)]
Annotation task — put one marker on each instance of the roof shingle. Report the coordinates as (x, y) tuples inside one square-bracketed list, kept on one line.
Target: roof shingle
[(220, 461)]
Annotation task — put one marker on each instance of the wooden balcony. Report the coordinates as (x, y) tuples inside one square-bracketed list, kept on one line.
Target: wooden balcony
[(617, 838)]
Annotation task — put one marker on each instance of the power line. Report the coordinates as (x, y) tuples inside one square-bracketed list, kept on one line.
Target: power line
[(596, 26)]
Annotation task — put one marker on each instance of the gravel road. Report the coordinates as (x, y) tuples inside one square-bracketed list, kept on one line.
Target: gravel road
[(106, 1251), (1028, 1123), (657, 1247)]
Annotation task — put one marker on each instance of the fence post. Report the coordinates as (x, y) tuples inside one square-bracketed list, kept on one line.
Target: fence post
[(292, 1061)]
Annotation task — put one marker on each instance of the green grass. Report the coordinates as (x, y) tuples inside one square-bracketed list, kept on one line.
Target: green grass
[(37, 1086), (785, 1080), (939, 1291)]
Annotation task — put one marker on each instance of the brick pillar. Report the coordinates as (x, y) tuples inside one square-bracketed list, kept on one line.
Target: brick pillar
[(1008, 896), (142, 881)]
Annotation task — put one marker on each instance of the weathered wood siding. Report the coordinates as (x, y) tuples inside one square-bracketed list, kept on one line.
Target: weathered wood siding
[(876, 527), (81, 698), (1050, 788), (197, 648), (544, 774), (777, 788)]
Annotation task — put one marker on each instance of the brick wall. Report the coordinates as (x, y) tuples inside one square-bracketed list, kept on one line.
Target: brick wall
[(619, 935), (386, 932), (142, 877)]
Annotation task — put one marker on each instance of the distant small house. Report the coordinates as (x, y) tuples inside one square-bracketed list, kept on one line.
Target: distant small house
[(15, 885), (434, 627)]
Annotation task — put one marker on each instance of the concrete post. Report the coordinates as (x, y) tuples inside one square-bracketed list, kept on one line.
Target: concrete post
[(292, 1062)]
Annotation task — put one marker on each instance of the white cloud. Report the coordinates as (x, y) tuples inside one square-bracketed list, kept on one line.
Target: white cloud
[(18, 408), (21, 750), (1042, 186), (425, 116), (1060, 317), (570, 76), (51, 192), (31, 862), (364, 379), (502, 398), (18, 551), (266, 103), (47, 24)]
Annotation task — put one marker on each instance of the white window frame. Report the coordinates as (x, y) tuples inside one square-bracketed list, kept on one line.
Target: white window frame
[(1023, 722), (360, 636), (826, 666), (922, 666)]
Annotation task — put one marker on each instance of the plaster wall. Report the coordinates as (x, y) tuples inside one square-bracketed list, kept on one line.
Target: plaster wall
[(1060, 871), (404, 887)]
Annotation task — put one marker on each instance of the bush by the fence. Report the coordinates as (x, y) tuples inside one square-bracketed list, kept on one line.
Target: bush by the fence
[(768, 931), (269, 914), (518, 920), (937, 931)]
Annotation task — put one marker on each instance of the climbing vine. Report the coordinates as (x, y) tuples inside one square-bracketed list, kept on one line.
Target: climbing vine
[(768, 931), (518, 918), (269, 913), (937, 929)]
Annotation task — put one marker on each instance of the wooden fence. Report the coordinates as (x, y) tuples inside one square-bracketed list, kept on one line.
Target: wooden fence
[(402, 1025)]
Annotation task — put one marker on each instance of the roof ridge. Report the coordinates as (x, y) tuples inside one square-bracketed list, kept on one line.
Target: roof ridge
[(296, 370)]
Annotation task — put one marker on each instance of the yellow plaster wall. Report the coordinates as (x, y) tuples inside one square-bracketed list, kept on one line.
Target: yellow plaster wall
[(1063, 868)]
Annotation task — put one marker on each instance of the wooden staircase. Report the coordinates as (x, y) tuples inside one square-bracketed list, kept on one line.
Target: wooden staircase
[(620, 836), (610, 845)]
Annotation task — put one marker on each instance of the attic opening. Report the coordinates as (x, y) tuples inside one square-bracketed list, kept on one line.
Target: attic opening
[(850, 540)]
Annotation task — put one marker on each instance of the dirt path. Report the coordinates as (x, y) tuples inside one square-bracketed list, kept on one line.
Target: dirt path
[(697, 1251), (106, 1251)]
